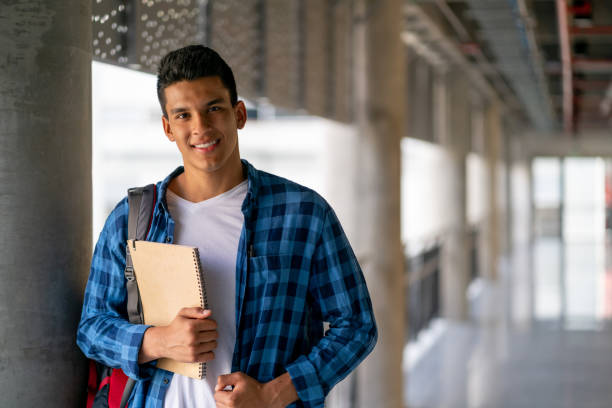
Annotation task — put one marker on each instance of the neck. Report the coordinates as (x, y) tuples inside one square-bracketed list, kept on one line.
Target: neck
[(198, 186)]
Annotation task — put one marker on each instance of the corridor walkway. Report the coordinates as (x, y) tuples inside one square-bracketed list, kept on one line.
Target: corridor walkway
[(540, 337)]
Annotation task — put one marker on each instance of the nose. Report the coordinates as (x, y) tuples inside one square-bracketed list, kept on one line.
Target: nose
[(200, 123)]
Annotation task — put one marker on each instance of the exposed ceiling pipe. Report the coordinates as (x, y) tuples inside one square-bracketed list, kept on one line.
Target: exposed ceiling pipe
[(428, 34), (453, 20), (476, 52), (590, 65), (595, 30), (508, 29), (586, 102), (422, 50), (538, 61), (597, 85), (566, 69), (582, 65)]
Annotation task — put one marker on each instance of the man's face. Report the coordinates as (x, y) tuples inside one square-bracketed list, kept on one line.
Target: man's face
[(204, 125)]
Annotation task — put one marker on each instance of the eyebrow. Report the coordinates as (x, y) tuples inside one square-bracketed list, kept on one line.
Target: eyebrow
[(214, 101), (181, 109)]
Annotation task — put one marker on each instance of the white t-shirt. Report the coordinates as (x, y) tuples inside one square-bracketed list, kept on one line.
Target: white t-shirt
[(214, 227)]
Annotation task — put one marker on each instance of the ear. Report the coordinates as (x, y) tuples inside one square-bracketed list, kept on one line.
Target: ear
[(167, 129), (241, 115)]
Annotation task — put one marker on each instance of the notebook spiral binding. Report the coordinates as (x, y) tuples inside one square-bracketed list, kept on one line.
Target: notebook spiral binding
[(203, 298)]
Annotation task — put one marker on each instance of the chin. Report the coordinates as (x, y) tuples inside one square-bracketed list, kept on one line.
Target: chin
[(209, 167)]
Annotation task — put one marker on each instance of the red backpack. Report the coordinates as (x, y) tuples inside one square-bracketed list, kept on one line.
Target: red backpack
[(109, 387)]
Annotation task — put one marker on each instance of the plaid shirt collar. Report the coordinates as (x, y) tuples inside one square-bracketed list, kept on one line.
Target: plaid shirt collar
[(249, 201)]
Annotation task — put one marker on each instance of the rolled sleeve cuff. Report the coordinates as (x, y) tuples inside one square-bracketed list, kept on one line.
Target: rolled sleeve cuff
[(306, 382), (130, 348)]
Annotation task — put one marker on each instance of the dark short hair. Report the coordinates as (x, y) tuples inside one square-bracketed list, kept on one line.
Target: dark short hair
[(189, 63)]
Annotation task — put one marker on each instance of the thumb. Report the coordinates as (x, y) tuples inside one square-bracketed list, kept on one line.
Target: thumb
[(194, 313), (226, 380)]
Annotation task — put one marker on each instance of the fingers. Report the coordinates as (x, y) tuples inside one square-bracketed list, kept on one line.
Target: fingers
[(204, 357), (191, 337), (206, 336), (228, 379), (203, 325), (198, 354), (196, 319), (224, 394), (205, 347), (195, 349), (199, 351), (224, 398), (238, 390), (196, 339), (194, 313)]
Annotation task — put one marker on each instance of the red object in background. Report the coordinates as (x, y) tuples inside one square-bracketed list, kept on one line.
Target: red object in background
[(581, 9), (470, 48)]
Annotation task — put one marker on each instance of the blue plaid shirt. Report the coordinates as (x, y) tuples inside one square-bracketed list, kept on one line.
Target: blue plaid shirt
[(295, 270)]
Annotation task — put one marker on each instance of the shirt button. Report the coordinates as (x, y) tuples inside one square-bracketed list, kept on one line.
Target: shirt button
[(166, 381), (168, 239)]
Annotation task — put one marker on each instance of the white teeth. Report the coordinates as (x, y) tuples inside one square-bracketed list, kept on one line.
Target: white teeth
[(205, 145)]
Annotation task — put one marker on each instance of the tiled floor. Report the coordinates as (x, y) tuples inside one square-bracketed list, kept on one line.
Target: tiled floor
[(538, 338)]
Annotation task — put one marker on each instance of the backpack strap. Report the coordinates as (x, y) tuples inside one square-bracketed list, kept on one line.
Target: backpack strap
[(141, 201), (127, 391)]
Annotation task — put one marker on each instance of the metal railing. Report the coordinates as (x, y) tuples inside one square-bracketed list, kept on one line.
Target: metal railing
[(423, 279), (474, 255), (423, 289)]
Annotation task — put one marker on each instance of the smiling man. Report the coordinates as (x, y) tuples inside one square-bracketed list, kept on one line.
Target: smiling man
[(276, 261)]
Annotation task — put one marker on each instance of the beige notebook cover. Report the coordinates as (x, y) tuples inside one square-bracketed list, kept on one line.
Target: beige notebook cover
[(169, 278)]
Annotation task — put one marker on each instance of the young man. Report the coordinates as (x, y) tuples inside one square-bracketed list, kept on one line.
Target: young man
[(276, 260)]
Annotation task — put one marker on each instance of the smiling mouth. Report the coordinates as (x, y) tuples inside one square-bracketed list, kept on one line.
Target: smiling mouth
[(207, 145)]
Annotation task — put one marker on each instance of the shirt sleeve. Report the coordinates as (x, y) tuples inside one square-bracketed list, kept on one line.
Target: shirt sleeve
[(339, 290), (104, 333)]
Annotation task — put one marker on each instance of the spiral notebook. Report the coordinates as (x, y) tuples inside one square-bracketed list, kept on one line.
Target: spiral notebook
[(169, 278)]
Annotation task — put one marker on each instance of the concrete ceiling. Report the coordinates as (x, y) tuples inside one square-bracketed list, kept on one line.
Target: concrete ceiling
[(514, 46), (521, 40)]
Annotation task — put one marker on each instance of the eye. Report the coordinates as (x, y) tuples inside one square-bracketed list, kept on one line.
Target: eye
[(182, 115), (214, 108)]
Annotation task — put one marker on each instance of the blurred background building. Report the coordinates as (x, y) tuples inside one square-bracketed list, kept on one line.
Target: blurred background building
[(465, 146)]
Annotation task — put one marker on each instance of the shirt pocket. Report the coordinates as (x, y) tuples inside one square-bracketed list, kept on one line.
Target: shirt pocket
[(279, 276)]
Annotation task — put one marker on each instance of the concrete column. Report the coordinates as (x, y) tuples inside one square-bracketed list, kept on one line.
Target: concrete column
[(341, 193), (508, 166), (45, 204), (492, 233), (520, 192), (442, 107), (379, 110), (456, 245)]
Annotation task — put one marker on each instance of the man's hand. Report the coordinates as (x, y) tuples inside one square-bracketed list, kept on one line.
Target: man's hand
[(189, 338), (249, 393)]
